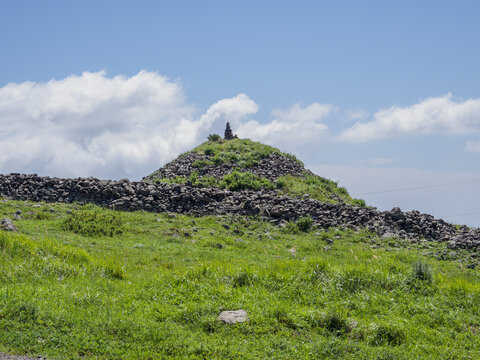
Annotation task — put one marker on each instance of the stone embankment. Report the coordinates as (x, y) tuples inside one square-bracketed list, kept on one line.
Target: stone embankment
[(160, 197), (271, 167)]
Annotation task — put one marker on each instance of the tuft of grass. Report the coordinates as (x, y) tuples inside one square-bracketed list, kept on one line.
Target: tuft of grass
[(304, 224), (422, 271), (51, 259), (316, 187), (388, 334), (94, 223), (238, 180), (202, 163), (336, 323)]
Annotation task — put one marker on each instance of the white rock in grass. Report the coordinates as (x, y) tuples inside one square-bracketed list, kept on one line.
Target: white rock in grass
[(232, 317)]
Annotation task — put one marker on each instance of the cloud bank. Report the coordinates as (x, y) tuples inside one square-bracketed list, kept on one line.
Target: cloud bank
[(92, 125), (434, 115), (113, 127), (290, 127)]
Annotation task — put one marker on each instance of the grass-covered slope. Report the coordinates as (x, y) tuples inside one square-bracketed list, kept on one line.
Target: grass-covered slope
[(244, 164), (82, 282)]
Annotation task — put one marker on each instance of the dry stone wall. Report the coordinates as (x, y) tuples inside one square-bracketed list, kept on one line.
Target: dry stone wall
[(160, 197)]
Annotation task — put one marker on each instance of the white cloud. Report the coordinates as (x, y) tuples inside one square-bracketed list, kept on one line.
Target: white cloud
[(473, 146), (290, 127), (431, 116), (92, 125), (358, 114), (233, 110)]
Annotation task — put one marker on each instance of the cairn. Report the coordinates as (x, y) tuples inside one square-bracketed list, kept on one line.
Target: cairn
[(229, 133)]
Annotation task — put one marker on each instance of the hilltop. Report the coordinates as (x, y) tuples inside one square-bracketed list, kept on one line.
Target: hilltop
[(239, 164)]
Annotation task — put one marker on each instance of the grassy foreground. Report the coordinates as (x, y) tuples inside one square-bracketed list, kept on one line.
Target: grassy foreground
[(82, 282)]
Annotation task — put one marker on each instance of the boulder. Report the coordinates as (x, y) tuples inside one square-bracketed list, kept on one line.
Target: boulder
[(8, 225), (233, 317)]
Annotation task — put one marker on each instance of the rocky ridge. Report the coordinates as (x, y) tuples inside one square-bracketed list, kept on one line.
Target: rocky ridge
[(161, 197)]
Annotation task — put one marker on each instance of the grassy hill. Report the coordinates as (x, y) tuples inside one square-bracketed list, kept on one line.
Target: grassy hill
[(245, 160), (85, 282)]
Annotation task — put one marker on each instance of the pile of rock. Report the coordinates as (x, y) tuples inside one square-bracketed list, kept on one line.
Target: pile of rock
[(271, 167), (160, 197)]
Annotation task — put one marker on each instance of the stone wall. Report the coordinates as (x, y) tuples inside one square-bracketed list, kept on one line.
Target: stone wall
[(159, 197)]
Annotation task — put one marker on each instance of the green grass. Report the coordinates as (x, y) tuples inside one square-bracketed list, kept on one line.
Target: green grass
[(155, 289), (235, 181), (317, 188), (242, 152)]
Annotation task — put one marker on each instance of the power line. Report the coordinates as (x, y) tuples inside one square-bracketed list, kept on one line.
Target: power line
[(457, 215), (419, 187)]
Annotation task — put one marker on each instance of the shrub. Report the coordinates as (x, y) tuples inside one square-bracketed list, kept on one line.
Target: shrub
[(201, 163), (291, 228), (304, 224), (209, 151), (422, 271), (214, 138), (93, 223), (359, 202), (281, 183), (238, 180)]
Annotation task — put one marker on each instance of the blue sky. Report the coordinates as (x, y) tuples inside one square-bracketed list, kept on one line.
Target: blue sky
[(116, 88)]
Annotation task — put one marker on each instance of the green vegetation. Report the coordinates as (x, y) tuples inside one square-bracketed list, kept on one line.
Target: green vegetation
[(235, 181), (94, 223), (155, 289), (243, 153), (315, 187), (238, 180)]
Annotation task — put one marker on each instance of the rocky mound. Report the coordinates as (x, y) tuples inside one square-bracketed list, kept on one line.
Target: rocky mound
[(271, 167), (239, 164)]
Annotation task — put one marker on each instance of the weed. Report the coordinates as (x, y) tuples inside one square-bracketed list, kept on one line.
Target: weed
[(238, 180), (202, 163), (214, 138), (304, 224), (388, 334), (422, 271), (336, 323), (94, 223)]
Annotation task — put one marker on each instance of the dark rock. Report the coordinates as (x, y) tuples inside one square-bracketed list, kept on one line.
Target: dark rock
[(228, 132)]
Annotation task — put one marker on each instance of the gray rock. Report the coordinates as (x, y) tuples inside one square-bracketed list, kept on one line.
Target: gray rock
[(451, 245), (8, 225), (233, 317)]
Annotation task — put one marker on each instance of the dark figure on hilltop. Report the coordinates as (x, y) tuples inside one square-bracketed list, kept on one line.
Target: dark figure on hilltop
[(229, 133)]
